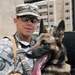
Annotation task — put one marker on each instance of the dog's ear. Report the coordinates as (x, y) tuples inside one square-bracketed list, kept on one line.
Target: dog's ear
[(42, 27), (61, 26), (60, 30)]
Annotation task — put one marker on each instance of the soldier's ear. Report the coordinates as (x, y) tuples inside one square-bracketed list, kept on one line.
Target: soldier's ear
[(42, 27)]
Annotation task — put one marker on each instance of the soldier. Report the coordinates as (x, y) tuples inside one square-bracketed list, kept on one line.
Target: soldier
[(26, 22)]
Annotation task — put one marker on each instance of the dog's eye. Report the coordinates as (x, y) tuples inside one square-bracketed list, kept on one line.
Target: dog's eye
[(56, 38), (47, 44), (43, 43)]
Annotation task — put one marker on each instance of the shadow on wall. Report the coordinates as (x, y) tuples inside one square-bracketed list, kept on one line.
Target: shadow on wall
[(31, 1)]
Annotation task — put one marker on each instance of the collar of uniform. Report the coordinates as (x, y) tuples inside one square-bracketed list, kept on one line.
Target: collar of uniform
[(23, 42)]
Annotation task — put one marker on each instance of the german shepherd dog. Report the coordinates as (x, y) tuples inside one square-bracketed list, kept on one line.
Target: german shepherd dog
[(49, 45)]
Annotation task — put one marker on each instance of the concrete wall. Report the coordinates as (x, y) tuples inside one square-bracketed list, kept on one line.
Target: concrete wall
[(7, 13)]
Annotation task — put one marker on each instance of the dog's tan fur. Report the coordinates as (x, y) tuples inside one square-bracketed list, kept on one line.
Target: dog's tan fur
[(54, 38)]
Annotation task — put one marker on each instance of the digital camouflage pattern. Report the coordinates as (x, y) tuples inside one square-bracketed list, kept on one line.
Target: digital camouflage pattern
[(23, 64)]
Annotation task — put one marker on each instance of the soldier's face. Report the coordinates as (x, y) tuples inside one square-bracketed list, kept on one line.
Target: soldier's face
[(26, 26)]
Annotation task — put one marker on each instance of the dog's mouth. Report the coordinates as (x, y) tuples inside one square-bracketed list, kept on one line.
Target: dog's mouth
[(41, 59), (40, 62)]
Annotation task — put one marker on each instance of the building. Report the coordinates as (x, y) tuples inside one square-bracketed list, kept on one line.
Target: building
[(53, 11)]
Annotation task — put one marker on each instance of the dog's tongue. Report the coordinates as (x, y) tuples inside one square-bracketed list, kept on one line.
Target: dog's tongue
[(38, 65)]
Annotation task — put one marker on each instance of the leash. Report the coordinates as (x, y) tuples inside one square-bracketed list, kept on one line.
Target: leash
[(14, 52)]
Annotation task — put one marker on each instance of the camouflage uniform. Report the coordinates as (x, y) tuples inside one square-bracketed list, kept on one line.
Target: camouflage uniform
[(23, 64)]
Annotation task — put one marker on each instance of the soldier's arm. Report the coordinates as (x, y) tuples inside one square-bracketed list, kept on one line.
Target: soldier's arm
[(6, 55)]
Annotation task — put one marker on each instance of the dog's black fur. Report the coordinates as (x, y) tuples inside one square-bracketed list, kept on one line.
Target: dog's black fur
[(50, 43)]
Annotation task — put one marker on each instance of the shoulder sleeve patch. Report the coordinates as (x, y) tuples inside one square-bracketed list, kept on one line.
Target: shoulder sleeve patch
[(2, 64)]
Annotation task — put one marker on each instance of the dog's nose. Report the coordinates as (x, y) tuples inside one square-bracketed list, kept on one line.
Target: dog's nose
[(29, 52)]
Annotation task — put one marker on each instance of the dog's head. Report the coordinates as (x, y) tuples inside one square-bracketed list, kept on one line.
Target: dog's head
[(48, 42)]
